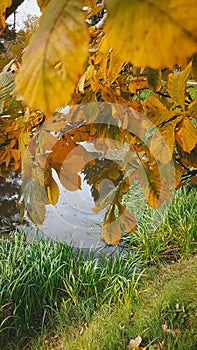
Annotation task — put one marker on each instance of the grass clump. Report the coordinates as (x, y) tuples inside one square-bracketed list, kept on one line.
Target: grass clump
[(165, 234), (164, 316), (40, 279)]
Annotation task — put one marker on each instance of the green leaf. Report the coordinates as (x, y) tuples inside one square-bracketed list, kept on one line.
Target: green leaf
[(55, 57), (177, 85), (152, 33)]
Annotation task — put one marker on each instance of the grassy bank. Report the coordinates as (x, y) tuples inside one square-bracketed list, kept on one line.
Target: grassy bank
[(41, 278), (164, 316), (166, 234), (52, 298)]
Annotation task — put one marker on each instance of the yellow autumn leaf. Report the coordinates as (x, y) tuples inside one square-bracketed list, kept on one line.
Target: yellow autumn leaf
[(192, 109), (127, 220), (103, 50), (137, 84), (186, 135), (177, 85), (188, 159), (156, 113), (42, 4), (47, 77), (152, 33), (52, 190), (155, 190), (4, 4), (104, 201), (162, 141), (85, 76), (152, 188), (60, 151), (111, 232), (108, 94), (36, 210), (115, 65), (91, 7), (90, 3), (16, 155), (171, 174)]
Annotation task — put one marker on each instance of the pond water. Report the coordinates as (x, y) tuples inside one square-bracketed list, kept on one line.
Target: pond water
[(9, 216), (72, 219)]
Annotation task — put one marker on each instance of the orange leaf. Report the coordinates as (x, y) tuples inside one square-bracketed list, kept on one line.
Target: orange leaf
[(52, 191), (188, 159), (155, 190), (111, 231), (127, 220), (138, 84), (186, 135), (72, 165), (162, 141)]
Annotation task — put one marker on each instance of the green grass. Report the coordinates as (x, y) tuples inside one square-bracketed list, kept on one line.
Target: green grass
[(165, 314), (164, 234), (166, 300), (41, 278), (52, 298)]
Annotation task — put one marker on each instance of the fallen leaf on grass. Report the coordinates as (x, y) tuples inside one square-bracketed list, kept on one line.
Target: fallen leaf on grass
[(134, 344)]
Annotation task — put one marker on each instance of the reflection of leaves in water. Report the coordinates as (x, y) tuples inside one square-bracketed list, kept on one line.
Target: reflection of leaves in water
[(104, 169), (9, 212)]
